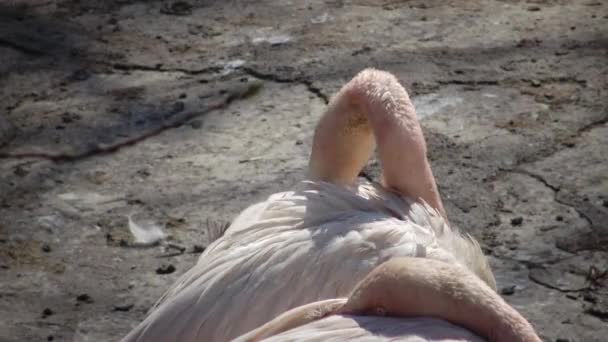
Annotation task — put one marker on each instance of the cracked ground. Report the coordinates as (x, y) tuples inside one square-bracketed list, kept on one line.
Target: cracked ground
[(183, 113)]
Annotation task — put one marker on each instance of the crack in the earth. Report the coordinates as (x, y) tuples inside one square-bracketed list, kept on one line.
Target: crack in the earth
[(159, 68), (591, 126), (556, 190), (63, 156), (532, 263), (276, 78), (511, 81), (216, 69), (548, 285), (468, 82), (21, 48), (549, 149)]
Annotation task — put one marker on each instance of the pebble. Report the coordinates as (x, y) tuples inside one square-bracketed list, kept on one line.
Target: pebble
[(165, 269), (123, 307), (508, 290), (85, 298), (197, 249), (179, 8), (47, 312), (196, 124), (80, 75), (7, 131), (517, 221)]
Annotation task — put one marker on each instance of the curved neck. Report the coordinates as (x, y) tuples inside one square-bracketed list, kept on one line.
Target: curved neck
[(373, 108), (425, 287)]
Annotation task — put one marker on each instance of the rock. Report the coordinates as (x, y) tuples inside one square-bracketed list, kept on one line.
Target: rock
[(7, 131), (123, 307), (21, 171), (84, 298), (508, 290), (179, 8), (46, 248), (68, 117), (47, 312), (196, 124), (599, 309), (198, 249), (80, 75), (517, 221), (165, 269)]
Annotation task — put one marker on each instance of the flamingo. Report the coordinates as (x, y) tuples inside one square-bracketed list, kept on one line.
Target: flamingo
[(336, 254)]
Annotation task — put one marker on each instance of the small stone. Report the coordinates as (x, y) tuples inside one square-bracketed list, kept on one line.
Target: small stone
[(561, 339), (605, 203), (46, 248), (7, 131), (569, 144), (588, 297), (165, 269), (508, 290), (21, 171), (123, 307), (197, 249), (85, 298), (559, 218), (183, 95), (50, 338), (178, 107), (68, 117), (299, 142), (533, 8), (536, 83), (80, 75), (143, 173), (47, 312), (179, 8), (517, 221), (196, 124)]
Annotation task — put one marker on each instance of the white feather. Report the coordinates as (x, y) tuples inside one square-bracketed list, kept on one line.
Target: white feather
[(145, 233)]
